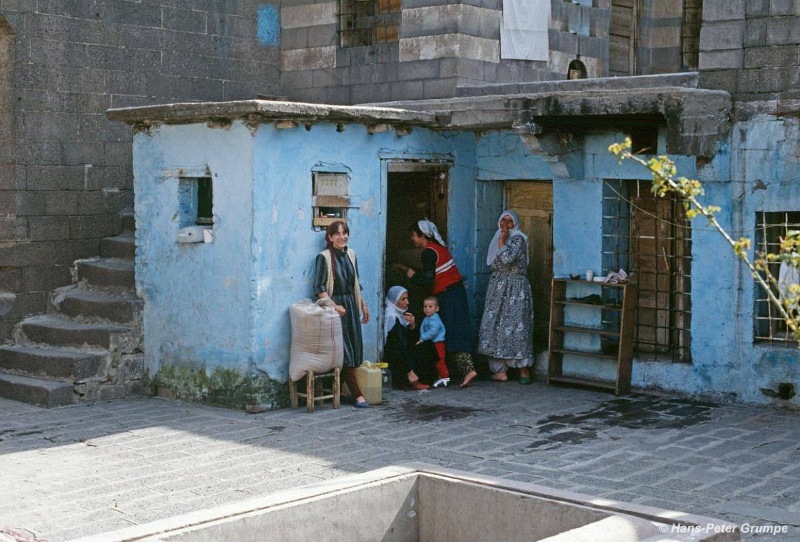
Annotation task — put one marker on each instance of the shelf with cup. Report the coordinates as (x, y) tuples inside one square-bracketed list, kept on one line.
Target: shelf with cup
[(610, 308)]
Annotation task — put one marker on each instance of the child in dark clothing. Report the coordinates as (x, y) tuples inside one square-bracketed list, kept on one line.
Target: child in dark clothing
[(432, 329)]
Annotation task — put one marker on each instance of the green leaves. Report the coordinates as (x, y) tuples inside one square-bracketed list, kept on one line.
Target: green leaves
[(665, 182)]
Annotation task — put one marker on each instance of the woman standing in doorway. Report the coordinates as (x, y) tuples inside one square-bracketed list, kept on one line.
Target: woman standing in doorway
[(336, 278), (440, 277), (505, 335)]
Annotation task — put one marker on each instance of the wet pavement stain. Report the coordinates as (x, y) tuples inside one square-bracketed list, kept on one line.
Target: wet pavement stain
[(631, 412), (412, 411), (10, 433)]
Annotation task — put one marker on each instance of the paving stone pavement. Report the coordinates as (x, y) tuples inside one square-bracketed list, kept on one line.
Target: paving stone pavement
[(88, 469)]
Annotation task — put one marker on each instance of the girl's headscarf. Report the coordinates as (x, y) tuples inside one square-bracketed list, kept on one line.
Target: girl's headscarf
[(430, 230), (392, 313), (494, 246)]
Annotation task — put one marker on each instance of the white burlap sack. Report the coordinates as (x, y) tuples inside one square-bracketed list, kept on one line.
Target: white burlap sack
[(316, 339)]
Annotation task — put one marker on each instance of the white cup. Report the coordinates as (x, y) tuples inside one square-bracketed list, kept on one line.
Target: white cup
[(589, 275)]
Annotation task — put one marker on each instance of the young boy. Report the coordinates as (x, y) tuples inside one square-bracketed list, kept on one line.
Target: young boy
[(432, 329)]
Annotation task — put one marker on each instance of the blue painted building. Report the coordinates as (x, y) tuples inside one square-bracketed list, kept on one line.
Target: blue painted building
[(216, 312)]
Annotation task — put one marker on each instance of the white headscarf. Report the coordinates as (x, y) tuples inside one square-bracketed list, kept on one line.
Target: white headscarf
[(392, 313), (430, 230), (494, 246)]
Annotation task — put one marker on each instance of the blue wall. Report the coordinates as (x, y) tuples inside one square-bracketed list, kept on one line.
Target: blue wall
[(225, 304), (196, 295), (726, 363)]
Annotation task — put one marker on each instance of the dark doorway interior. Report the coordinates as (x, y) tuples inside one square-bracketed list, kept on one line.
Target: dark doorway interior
[(412, 196)]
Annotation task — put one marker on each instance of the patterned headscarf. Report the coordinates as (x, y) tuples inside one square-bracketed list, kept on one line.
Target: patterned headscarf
[(494, 246), (430, 230), (392, 313)]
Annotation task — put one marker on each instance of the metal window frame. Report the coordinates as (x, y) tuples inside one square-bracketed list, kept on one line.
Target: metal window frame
[(361, 22), (769, 327), (622, 248)]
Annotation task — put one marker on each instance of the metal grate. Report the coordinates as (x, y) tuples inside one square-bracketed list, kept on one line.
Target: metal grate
[(690, 33), (770, 228), (650, 238), (368, 22)]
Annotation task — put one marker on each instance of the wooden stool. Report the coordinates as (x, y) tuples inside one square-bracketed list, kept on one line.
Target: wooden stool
[(314, 390)]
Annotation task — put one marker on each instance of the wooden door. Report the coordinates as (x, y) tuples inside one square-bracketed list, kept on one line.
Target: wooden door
[(652, 254), (533, 201), (623, 37), (661, 254)]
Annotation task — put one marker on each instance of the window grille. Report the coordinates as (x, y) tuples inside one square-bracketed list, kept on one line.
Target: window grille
[(368, 22), (770, 228), (650, 238), (690, 33)]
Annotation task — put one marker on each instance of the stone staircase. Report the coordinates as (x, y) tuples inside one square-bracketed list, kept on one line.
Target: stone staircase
[(88, 347)]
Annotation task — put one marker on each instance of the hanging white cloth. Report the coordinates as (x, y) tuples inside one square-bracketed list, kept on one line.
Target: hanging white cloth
[(524, 30), (788, 275), (494, 246)]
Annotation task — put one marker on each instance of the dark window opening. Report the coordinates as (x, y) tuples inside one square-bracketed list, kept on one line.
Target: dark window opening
[(644, 140), (650, 238), (195, 201), (576, 69), (690, 33), (205, 204), (368, 22)]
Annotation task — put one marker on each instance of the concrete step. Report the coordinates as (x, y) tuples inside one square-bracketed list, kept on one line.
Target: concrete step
[(106, 272), (50, 363), (128, 223), (79, 303), (56, 330), (121, 246), (37, 391)]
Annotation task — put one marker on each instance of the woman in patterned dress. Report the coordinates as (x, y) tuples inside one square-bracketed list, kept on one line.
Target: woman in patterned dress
[(336, 278), (505, 335)]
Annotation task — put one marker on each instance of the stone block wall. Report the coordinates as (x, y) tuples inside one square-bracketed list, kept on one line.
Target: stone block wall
[(65, 169), (751, 48), (445, 45), (442, 45)]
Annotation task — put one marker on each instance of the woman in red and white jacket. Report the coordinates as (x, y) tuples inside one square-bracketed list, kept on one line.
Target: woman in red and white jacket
[(440, 277)]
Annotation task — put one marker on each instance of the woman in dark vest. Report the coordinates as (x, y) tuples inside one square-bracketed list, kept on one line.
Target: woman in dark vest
[(440, 277), (336, 279)]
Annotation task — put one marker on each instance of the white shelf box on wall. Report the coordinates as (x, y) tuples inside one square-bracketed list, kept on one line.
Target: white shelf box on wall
[(331, 197)]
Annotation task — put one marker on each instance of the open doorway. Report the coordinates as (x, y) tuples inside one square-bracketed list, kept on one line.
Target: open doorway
[(415, 190)]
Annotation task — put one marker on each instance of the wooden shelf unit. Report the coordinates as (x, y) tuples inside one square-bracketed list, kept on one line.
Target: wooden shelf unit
[(622, 301)]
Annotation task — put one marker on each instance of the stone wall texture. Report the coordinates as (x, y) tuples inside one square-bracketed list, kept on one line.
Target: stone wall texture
[(751, 48), (65, 169)]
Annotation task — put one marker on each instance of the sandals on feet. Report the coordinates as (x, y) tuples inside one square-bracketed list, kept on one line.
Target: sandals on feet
[(417, 385), (443, 382)]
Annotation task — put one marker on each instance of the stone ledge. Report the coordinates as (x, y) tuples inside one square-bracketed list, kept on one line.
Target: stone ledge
[(267, 111)]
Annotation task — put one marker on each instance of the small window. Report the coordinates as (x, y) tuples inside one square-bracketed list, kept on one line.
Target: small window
[(331, 197), (690, 33), (368, 22), (644, 140), (195, 201), (770, 229)]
